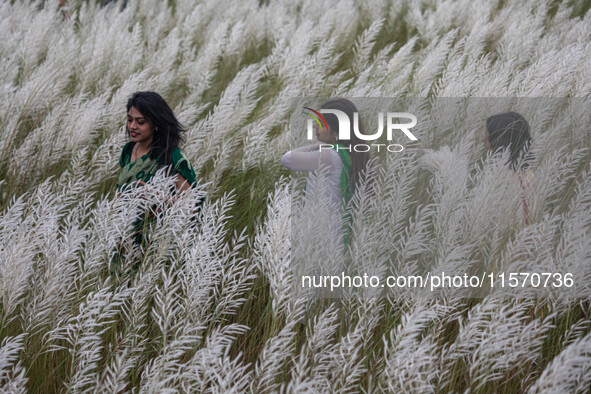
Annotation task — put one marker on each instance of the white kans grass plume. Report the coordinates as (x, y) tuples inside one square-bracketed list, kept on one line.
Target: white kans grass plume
[(12, 372), (272, 250), (570, 371), (412, 356), (310, 367), (82, 334), (510, 339), (235, 105), (349, 359), (125, 354), (208, 303), (273, 358)]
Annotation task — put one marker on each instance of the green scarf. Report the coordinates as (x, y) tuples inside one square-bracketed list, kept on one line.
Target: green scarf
[(346, 189), (140, 170)]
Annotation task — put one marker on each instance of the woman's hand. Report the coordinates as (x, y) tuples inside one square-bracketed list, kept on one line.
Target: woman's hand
[(181, 185), (151, 189)]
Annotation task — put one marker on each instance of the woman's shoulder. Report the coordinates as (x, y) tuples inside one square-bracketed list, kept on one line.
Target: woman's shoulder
[(331, 158), (337, 157), (182, 165), (178, 155)]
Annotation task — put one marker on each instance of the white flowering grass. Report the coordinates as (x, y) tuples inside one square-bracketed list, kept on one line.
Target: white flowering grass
[(206, 302)]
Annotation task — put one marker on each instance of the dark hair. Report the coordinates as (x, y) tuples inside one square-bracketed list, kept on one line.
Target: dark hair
[(509, 130), (167, 129), (358, 159)]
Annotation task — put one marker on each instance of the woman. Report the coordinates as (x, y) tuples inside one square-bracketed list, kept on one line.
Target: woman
[(344, 166), (510, 131), (155, 136)]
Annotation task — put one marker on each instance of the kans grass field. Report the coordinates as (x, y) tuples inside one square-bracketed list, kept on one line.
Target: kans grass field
[(207, 305)]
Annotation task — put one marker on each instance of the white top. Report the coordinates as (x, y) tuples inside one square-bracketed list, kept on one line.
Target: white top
[(310, 158), (322, 218)]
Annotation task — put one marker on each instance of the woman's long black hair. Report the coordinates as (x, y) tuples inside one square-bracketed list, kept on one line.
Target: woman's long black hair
[(358, 159), (167, 129), (510, 130)]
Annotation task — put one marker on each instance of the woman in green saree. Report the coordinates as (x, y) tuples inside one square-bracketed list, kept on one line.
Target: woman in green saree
[(154, 138)]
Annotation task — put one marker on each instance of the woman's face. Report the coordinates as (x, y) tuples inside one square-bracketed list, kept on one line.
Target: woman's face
[(324, 135), (140, 128)]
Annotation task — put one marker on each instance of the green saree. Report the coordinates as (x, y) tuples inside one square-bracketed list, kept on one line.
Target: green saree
[(346, 189), (144, 168)]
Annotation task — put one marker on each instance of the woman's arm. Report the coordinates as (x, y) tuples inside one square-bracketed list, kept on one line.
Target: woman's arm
[(181, 184), (308, 158), (307, 148)]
